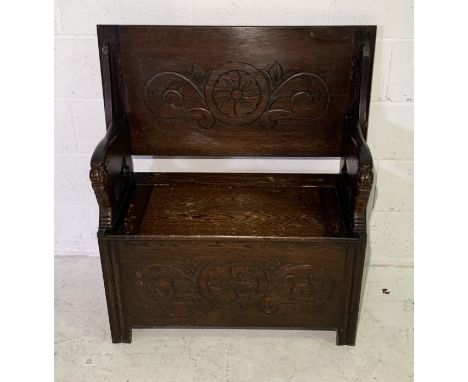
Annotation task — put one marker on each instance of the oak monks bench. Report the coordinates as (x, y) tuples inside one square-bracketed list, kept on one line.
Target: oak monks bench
[(234, 249)]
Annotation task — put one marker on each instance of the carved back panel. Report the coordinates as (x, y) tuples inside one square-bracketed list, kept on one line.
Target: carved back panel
[(266, 91)]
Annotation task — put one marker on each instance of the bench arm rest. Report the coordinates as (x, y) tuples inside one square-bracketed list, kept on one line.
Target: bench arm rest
[(357, 170), (111, 169)]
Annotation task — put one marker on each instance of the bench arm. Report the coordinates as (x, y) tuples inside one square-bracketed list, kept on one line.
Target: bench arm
[(357, 170), (111, 169)]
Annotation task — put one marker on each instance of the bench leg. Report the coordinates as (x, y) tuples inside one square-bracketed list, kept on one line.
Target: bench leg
[(347, 334), (351, 335), (350, 331), (109, 287), (341, 337), (127, 335), (347, 337)]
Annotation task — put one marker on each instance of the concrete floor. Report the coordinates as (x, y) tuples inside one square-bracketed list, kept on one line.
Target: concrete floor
[(84, 352)]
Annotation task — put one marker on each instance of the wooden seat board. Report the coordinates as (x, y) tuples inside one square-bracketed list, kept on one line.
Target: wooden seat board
[(235, 205)]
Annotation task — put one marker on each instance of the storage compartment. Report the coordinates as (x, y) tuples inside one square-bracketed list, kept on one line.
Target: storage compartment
[(239, 205), (233, 282)]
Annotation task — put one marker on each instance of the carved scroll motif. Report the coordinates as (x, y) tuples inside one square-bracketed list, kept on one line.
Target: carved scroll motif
[(365, 178), (296, 284), (99, 182), (179, 95), (173, 288), (198, 288), (98, 176), (237, 93)]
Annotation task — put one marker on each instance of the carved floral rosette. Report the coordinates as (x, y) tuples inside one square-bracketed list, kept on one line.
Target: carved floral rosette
[(237, 93), (197, 288)]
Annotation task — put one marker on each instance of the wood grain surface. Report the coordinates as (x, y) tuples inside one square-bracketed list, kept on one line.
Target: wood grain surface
[(252, 205)]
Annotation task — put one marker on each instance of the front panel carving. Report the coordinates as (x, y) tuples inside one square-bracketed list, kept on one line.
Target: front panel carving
[(197, 288), (237, 93)]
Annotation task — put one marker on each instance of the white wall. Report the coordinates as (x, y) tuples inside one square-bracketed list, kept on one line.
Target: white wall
[(79, 114)]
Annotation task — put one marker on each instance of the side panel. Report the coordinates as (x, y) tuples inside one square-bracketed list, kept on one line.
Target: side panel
[(233, 283)]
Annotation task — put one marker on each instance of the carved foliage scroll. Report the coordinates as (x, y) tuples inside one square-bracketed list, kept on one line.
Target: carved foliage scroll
[(197, 288), (237, 93), (99, 181), (365, 178)]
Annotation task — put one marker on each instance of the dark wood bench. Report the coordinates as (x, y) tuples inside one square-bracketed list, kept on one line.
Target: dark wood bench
[(234, 250)]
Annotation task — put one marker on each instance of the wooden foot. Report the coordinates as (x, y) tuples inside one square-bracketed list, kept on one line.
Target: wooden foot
[(127, 335), (116, 340), (340, 337), (125, 338), (344, 338), (351, 334)]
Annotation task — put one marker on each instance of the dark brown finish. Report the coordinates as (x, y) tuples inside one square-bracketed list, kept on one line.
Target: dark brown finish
[(238, 250)]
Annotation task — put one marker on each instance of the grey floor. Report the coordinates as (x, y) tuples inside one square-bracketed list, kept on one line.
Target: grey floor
[(83, 351)]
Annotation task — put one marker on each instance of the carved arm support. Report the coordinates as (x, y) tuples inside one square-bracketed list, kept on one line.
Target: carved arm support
[(111, 169), (358, 173)]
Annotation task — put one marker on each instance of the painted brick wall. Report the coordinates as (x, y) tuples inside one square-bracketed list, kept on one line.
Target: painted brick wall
[(79, 117)]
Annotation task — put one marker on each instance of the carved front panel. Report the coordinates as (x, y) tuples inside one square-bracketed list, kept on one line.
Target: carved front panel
[(237, 93), (197, 288), (223, 286)]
